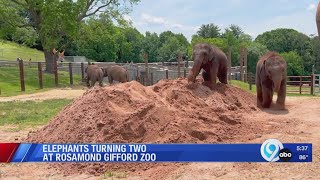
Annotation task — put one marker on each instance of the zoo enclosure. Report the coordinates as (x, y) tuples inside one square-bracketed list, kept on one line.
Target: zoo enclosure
[(23, 73), (72, 73)]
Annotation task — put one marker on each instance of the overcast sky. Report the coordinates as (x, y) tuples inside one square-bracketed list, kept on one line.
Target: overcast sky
[(253, 16)]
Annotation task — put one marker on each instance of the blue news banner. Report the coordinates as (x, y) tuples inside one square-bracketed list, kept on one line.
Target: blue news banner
[(270, 151)]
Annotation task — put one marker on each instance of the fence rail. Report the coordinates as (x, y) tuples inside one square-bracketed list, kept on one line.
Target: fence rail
[(295, 84)]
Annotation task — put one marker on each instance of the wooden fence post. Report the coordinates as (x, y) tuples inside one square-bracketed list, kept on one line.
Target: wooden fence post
[(250, 80), (138, 79), (70, 73), (167, 74), (312, 84), (55, 70), (179, 60), (82, 72), (40, 75), (151, 78), (300, 84), (23, 87), (147, 69), (245, 54), (241, 64)]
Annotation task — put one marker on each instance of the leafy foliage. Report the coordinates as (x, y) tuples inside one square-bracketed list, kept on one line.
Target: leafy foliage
[(255, 51), (294, 63)]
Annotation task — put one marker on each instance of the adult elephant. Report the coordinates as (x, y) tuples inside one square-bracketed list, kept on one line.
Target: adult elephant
[(213, 61), (116, 73), (318, 19), (94, 74), (271, 76)]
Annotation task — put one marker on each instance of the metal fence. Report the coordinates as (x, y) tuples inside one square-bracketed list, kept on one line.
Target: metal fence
[(26, 75)]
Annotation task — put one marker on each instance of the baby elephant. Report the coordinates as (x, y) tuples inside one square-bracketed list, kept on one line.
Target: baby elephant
[(271, 76), (117, 73), (213, 61), (94, 74)]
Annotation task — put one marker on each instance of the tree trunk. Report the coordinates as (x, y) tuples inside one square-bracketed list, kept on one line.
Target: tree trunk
[(49, 58)]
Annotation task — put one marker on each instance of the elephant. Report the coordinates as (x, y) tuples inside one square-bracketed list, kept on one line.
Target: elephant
[(117, 73), (271, 76), (213, 61), (318, 19), (94, 74)]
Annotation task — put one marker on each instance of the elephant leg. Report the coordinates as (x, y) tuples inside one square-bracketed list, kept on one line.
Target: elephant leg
[(212, 77), (88, 81), (282, 95), (266, 96), (206, 76), (93, 82), (223, 76), (259, 94), (110, 79), (213, 74), (100, 82)]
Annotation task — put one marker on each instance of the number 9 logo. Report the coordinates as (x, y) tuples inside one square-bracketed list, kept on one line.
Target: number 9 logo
[(270, 150)]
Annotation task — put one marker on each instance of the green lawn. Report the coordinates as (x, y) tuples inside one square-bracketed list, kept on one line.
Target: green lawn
[(10, 82), (245, 86), (11, 51), (30, 113)]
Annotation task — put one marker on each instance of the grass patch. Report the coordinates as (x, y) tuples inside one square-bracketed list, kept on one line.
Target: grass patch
[(11, 51), (10, 80), (117, 175), (245, 86), (30, 113)]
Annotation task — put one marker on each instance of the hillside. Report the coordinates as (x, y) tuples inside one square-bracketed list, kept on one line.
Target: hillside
[(10, 51)]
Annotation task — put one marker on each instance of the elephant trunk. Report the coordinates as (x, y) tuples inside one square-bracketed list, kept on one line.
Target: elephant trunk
[(194, 72), (276, 85)]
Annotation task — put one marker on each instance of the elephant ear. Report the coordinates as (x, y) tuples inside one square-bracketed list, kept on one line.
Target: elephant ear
[(265, 64)]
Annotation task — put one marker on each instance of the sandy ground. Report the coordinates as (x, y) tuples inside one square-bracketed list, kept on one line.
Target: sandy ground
[(299, 124), (51, 94)]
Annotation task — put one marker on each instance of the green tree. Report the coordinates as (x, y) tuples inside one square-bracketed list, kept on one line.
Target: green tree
[(208, 31), (286, 40), (26, 36), (150, 45), (171, 48), (55, 19), (135, 40), (235, 30), (98, 40), (164, 36), (294, 63), (255, 51), (171, 44)]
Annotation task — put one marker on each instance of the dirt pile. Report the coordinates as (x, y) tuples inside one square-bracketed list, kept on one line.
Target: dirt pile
[(168, 112)]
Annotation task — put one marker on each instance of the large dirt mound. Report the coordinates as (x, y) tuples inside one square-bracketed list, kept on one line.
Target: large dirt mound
[(168, 112)]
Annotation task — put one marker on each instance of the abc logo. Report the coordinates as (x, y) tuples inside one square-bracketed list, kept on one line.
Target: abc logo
[(285, 155)]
